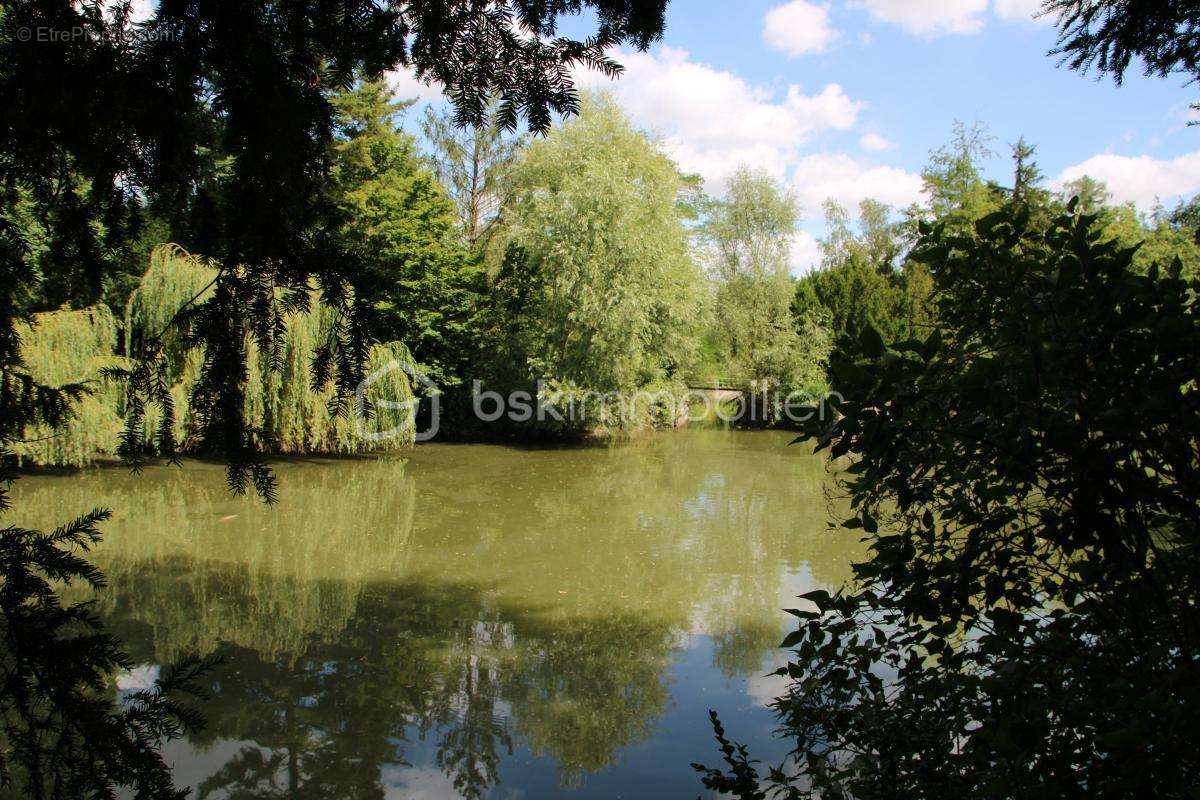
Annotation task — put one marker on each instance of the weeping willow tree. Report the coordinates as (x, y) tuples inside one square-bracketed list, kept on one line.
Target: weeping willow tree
[(67, 347), (173, 280), (283, 405), (296, 418), (598, 294), (291, 414)]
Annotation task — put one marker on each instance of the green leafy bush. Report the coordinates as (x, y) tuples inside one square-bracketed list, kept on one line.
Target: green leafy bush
[(1028, 479)]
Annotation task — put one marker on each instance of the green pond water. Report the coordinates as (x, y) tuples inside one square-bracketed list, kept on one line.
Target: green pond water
[(471, 620)]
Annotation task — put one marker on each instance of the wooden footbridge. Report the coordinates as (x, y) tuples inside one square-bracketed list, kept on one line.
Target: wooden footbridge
[(721, 389)]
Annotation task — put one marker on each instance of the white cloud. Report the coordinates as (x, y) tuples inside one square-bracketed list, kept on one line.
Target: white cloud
[(829, 109), (142, 10), (928, 17), (407, 86), (420, 782), (848, 181), (805, 253), (1022, 10), (139, 10), (712, 120), (875, 143), (799, 27), (137, 678), (1140, 179)]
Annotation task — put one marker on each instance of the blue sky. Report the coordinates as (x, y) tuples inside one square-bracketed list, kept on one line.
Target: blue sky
[(845, 98)]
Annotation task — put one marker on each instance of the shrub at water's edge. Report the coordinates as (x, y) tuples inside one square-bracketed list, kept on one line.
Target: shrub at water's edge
[(65, 347)]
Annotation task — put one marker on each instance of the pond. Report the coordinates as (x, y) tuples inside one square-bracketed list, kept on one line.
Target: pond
[(470, 620)]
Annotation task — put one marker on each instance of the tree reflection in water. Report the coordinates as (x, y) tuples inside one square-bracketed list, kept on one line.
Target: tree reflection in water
[(475, 600)]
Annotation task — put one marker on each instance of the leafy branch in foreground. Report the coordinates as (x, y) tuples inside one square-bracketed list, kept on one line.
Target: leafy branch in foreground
[(1109, 35), (742, 780), (1028, 479)]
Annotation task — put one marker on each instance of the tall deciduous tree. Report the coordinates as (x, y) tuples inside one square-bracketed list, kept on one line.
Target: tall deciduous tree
[(475, 165), (609, 294), (749, 235), (953, 182), (1092, 194)]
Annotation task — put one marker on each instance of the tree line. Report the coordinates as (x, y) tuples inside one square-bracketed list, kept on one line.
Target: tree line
[(581, 267)]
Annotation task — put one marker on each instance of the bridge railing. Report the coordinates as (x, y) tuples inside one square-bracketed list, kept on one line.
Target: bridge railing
[(716, 385)]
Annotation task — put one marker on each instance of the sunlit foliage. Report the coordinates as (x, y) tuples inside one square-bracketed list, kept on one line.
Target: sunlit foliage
[(289, 412), (421, 284), (73, 347), (749, 236), (289, 408), (475, 166), (598, 291)]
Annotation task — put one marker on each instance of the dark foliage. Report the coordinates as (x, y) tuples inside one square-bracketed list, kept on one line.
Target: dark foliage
[(63, 734), (1108, 35), (742, 780), (1028, 478)]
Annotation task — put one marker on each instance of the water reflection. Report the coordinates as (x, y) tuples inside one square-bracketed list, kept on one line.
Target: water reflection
[(472, 620)]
